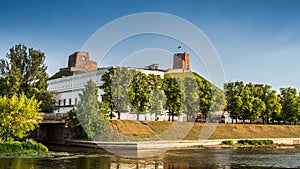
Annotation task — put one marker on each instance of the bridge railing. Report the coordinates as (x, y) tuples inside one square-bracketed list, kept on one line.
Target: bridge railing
[(54, 116)]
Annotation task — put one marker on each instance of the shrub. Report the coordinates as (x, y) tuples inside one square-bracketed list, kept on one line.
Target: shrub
[(255, 142), (16, 147), (228, 142), (243, 142), (18, 116), (269, 142), (31, 145)]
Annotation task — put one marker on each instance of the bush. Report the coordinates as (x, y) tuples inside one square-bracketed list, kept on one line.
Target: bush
[(18, 116), (228, 142), (255, 142), (31, 145), (16, 147)]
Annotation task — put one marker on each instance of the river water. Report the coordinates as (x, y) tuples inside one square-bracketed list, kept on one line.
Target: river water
[(194, 158)]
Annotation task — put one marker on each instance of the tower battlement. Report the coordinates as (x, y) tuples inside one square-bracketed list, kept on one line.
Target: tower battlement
[(181, 61)]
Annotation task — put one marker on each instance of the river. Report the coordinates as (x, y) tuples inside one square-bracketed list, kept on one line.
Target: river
[(194, 158)]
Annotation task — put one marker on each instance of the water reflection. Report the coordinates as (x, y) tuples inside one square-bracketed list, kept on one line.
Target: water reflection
[(220, 158)]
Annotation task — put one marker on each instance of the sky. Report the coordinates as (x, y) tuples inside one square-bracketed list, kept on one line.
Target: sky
[(257, 41)]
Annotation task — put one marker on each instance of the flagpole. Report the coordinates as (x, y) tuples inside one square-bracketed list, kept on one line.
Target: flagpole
[(180, 48)]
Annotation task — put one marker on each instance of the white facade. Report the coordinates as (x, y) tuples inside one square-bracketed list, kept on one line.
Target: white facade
[(67, 89)]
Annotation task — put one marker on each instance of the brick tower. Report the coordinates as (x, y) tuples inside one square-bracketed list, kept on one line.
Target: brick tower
[(181, 61), (80, 61)]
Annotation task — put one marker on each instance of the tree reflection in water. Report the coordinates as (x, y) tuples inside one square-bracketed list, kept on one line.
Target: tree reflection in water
[(219, 158)]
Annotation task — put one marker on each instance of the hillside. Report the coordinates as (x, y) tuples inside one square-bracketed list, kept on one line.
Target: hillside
[(164, 130)]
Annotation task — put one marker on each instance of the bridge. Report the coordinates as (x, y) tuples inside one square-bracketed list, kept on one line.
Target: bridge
[(53, 128)]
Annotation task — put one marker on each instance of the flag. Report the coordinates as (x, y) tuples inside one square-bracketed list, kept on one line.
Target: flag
[(179, 47)]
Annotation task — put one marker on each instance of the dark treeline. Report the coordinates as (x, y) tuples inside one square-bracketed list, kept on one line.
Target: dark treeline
[(252, 101)]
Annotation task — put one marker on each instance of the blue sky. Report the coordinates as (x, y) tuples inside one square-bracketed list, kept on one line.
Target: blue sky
[(257, 41)]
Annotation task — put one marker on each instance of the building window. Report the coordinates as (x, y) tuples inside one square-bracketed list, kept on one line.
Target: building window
[(70, 101), (64, 102), (59, 102), (75, 101)]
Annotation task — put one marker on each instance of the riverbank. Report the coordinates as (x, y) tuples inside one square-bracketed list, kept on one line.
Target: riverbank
[(151, 148), (149, 129), (217, 143), (19, 148)]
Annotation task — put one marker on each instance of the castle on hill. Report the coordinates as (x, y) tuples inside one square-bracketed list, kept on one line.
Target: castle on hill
[(70, 81)]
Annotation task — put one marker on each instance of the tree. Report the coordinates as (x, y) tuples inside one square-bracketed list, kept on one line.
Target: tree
[(269, 99), (88, 112), (290, 104), (233, 92), (190, 97), (211, 97), (116, 87), (217, 99), (258, 108), (253, 105), (205, 95), (173, 96), (157, 97), (24, 71), (139, 94), (18, 116), (273, 106), (247, 99)]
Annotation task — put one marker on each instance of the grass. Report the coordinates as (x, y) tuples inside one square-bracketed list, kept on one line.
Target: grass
[(191, 131), (132, 128), (15, 147)]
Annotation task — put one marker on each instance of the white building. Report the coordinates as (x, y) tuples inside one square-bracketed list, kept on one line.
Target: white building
[(67, 89)]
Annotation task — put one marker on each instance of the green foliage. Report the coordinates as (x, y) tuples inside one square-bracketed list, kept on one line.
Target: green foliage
[(139, 94), (190, 96), (250, 101), (255, 142), (173, 96), (211, 97), (31, 145), (290, 104), (116, 87), (194, 94), (21, 147), (74, 125), (157, 98), (18, 116), (233, 92), (270, 99), (24, 71), (88, 112), (217, 100), (228, 142), (205, 94), (179, 92)]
